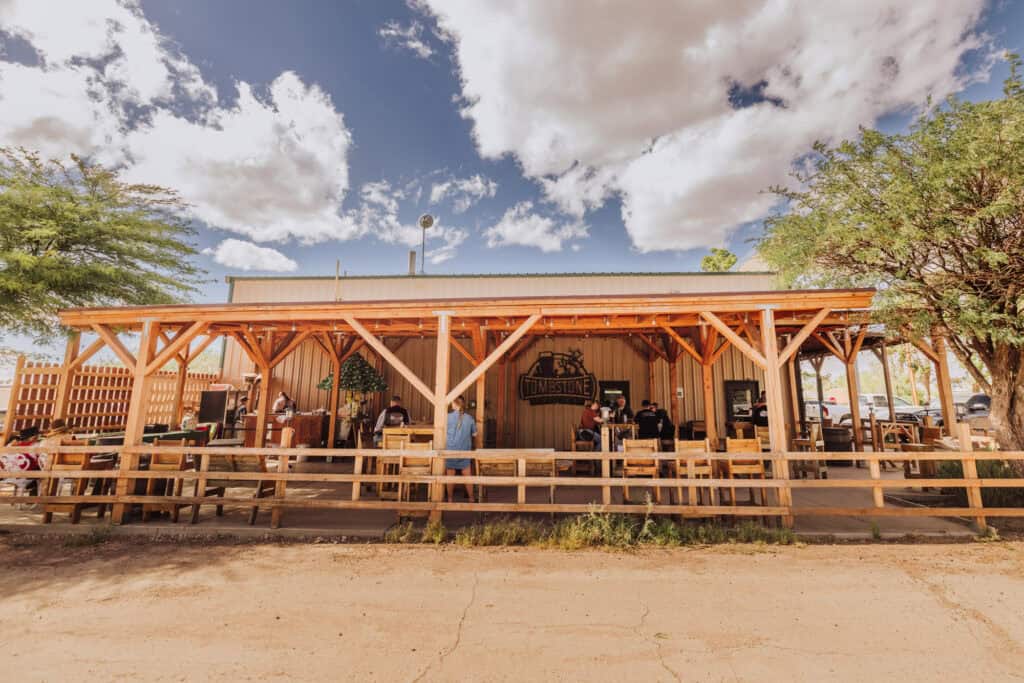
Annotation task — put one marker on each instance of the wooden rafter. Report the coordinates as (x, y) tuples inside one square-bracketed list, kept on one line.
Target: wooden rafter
[(86, 354), (203, 345), (658, 351), (832, 348), (794, 344), (683, 343), (393, 360), (925, 348), (110, 337), (180, 342), (736, 340), (462, 349), (292, 344), (497, 353)]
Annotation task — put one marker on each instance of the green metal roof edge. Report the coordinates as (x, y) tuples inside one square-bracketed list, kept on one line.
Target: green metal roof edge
[(234, 278)]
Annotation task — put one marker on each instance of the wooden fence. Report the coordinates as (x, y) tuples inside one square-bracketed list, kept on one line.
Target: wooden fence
[(97, 400), (601, 487)]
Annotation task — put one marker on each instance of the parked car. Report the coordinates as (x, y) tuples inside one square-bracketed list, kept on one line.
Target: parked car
[(814, 411), (966, 405), (978, 405), (879, 405)]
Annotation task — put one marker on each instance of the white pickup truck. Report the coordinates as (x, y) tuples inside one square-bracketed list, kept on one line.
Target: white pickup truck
[(877, 404)]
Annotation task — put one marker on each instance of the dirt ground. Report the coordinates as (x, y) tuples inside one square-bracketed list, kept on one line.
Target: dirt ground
[(127, 609)]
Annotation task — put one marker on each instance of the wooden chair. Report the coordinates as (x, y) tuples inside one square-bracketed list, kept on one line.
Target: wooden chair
[(229, 463), (744, 468), (414, 464), (166, 462), (578, 445), (762, 435), (501, 467), (633, 466), (73, 462), (741, 429), (812, 444), (390, 464), (694, 469)]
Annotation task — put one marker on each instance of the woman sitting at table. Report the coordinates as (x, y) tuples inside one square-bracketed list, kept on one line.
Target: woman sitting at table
[(283, 404), (461, 430)]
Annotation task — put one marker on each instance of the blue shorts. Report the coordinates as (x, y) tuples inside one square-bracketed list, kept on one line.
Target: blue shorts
[(458, 463)]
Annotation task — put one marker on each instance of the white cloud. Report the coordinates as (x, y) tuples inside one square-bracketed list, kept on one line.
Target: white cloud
[(464, 192), (634, 100), (247, 256), (377, 216), (408, 37), (520, 226), (271, 166)]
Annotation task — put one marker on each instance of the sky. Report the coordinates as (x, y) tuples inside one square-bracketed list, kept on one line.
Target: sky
[(543, 136)]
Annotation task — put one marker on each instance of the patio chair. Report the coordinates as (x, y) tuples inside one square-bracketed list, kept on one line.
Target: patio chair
[(763, 437), (812, 444), (695, 469), (166, 462), (744, 468), (414, 464), (390, 464), (218, 487), (634, 466), (73, 462), (577, 445), (501, 467)]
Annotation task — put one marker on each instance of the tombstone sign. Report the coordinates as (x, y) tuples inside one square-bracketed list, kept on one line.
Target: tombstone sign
[(557, 378)]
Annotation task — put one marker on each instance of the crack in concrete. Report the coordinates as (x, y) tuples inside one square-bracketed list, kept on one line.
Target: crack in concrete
[(458, 631), (654, 641)]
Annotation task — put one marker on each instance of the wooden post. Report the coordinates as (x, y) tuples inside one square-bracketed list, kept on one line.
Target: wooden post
[(794, 397), (883, 358), (67, 372), (441, 368), (776, 411), (606, 464), (673, 382), (970, 467), (480, 352), (287, 437), (135, 422), (12, 402), (179, 388), (501, 408), (332, 427), (263, 409), (852, 387), (650, 379), (710, 420), (801, 400), (874, 468), (945, 382), (816, 363)]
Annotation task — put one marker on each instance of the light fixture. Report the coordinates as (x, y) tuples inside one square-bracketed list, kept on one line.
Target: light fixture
[(607, 322)]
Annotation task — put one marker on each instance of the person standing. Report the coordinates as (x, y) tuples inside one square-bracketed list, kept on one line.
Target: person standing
[(460, 433)]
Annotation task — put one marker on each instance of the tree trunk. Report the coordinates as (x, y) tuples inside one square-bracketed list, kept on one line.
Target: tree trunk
[(1007, 415)]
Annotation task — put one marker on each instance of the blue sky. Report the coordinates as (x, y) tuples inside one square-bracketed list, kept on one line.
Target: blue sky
[(567, 140)]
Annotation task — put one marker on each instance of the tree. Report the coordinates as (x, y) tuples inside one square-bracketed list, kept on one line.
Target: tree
[(934, 219), (357, 376), (76, 235), (718, 261)]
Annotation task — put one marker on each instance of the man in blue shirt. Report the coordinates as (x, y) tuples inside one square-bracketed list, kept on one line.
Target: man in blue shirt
[(461, 430)]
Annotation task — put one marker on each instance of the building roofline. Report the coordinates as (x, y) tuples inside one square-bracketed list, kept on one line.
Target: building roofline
[(438, 276)]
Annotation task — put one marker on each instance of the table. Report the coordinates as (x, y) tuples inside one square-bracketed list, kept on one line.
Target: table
[(310, 429)]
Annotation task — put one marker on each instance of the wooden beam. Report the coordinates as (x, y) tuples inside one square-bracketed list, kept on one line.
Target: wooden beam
[(203, 345), (67, 374), (497, 353), (386, 354), (462, 349), (87, 353), (776, 412), (352, 349), (883, 358), (137, 407), (181, 341), (797, 341), (243, 343), (479, 338), (259, 357), (441, 372), (859, 341), (924, 348), (944, 381), (832, 348), (108, 336), (650, 344), (717, 353), (736, 340), (683, 343), (293, 344)]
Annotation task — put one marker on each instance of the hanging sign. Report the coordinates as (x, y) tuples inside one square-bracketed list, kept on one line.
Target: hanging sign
[(558, 378)]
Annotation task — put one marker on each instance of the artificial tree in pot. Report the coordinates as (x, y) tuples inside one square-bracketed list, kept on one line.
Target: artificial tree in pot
[(357, 379)]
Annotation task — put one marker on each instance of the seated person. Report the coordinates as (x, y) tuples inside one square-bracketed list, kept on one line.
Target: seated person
[(759, 412), (392, 416), (621, 414), (240, 410), (647, 422), (590, 424), (283, 404), (667, 430)]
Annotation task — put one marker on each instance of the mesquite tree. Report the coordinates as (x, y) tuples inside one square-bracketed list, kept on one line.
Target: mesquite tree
[(934, 218)]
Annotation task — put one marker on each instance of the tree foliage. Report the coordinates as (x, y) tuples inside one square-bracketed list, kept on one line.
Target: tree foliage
[(74, 234), (935, 219), (718, 261), (357, 376)]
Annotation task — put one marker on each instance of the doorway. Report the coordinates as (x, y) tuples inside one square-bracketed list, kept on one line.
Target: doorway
[(611, 390)]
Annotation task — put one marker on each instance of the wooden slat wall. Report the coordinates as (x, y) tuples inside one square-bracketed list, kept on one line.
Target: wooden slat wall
[(535, 426)]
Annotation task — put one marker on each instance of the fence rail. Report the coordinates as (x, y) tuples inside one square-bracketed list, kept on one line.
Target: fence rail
[(272, 466)]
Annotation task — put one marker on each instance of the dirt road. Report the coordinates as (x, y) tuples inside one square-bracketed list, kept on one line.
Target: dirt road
[(374, 612)]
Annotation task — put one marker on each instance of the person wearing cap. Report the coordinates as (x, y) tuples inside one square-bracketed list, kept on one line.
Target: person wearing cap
[(395, 415)]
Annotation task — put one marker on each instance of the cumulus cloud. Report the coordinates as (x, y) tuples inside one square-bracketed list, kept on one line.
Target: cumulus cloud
[(272, 165), (378, 215), (464, 192), (687, 111), (406, 37), (242, 255), (521, 226)]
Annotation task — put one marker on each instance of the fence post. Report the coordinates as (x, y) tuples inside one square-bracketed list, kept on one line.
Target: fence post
[(970, 467), (200, 490), (606, 464), (874, 467), (437, 490), (287, 436), (12, 402), (521, 488), (357, 484)]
